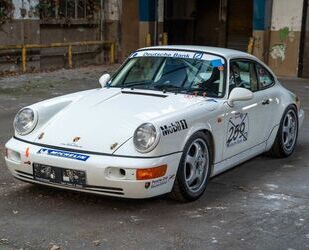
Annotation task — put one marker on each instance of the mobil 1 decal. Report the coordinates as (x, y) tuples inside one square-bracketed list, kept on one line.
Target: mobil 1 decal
[(174, 127), (237, 129)]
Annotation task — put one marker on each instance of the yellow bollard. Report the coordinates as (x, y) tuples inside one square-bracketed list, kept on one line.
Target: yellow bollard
[(112, 53), (165, 38), (251, 45), (148, 40), (70, 56), (24, 58)]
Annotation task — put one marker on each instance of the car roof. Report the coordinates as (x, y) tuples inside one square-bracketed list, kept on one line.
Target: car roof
[(227, 53)]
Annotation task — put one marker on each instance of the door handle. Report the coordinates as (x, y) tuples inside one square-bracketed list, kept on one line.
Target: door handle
[(266, 102)]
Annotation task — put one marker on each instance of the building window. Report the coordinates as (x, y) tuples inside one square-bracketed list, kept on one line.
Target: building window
[(67, 9), (6, 10)]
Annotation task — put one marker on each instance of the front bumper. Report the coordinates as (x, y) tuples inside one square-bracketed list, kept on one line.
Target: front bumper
[(97, 168)]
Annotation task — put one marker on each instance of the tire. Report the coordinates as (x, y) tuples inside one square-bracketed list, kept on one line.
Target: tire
[(286, 138), (194, 169)]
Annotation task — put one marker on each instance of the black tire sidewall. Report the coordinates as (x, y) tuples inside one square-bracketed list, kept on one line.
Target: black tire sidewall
[(279, 136), (188, 194)]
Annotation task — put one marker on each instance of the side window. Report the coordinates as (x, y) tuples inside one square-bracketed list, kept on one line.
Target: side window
[(264, 77), (243, 75)]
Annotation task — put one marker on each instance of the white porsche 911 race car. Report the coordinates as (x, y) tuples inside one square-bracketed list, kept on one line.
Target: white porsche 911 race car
[(169, 119)]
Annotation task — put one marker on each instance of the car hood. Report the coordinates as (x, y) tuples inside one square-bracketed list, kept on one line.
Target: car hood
[(103, 119)]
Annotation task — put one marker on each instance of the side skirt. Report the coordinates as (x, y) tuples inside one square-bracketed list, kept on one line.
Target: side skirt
[(237, 159)]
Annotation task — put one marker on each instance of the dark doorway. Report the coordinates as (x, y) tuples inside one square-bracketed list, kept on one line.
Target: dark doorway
[(304, 44), (239, 24), (224, 23), (179, 21)]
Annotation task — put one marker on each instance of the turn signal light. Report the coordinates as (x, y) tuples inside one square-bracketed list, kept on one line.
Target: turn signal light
[(151, 173)]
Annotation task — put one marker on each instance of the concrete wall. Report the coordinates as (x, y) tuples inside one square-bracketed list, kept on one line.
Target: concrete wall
[(26, 28), (18, 32), (57, 57), (23, 29), (285, 36), (130, 30), (112, 22)]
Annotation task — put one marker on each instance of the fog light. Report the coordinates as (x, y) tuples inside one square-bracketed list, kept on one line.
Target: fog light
[(13, 155), (151, 173), (147, 185)]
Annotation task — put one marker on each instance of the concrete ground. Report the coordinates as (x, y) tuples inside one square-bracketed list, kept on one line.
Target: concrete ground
[(262, 204)]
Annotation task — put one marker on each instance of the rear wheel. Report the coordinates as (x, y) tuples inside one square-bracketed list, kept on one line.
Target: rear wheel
[(194, 169), (285, 141)]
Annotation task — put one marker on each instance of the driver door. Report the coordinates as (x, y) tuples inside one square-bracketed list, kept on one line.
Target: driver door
[(243, 126)]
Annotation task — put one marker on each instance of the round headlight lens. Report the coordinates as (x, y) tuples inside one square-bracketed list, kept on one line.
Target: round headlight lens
[(25, 121), (145, 138)]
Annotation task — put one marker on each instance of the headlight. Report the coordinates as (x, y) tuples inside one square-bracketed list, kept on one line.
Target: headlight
[(145, 138), (25, 121)]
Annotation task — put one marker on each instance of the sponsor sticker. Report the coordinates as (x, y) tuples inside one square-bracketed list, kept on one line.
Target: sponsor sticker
[(159, 182), (180, 54), (162, 181), (216, 63), (63, 154), (238, 129), (174, 127), (134, 54), (198, 56)]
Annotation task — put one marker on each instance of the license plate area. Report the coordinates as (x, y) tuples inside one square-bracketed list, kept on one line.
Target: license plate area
[(56, 175)]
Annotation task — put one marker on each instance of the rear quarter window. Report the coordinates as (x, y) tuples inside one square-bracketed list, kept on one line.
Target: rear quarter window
[(264, 77)]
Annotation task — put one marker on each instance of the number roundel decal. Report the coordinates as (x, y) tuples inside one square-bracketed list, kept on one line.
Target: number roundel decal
[(238, 129)]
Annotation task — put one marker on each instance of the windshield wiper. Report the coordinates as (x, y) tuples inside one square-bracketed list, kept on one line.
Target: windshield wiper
[(166, 87), (132, 84), (201, 91)]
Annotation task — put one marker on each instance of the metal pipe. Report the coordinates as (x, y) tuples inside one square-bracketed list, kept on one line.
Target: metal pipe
[(148, 40), (24, 59), (70, 56), (165, 38), (112, 55), (112, 48), (101, 21)]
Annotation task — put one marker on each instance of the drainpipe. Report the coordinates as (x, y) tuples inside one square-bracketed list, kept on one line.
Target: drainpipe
[(101, 20), (267, 45), (155, 37)]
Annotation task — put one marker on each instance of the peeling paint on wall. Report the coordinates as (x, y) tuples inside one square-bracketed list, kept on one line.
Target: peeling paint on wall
[(287, 13), (278, 51), (114, 8), (284, 33)]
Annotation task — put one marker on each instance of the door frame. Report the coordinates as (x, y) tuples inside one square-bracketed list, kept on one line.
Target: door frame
[(303, 38)]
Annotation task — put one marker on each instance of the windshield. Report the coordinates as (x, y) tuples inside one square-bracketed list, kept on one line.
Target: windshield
[(173, 71)]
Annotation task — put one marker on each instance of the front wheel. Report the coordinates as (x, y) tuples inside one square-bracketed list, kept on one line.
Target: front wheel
[(285, 141), (194, 169)]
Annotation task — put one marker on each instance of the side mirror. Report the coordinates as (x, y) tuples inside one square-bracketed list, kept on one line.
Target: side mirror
[(239, 94), (104, 79)]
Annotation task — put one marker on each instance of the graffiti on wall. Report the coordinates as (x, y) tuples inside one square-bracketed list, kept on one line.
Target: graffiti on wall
[(278, 50)]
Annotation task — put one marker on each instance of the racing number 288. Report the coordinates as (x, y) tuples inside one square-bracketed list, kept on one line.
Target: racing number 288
[(237, 130)]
